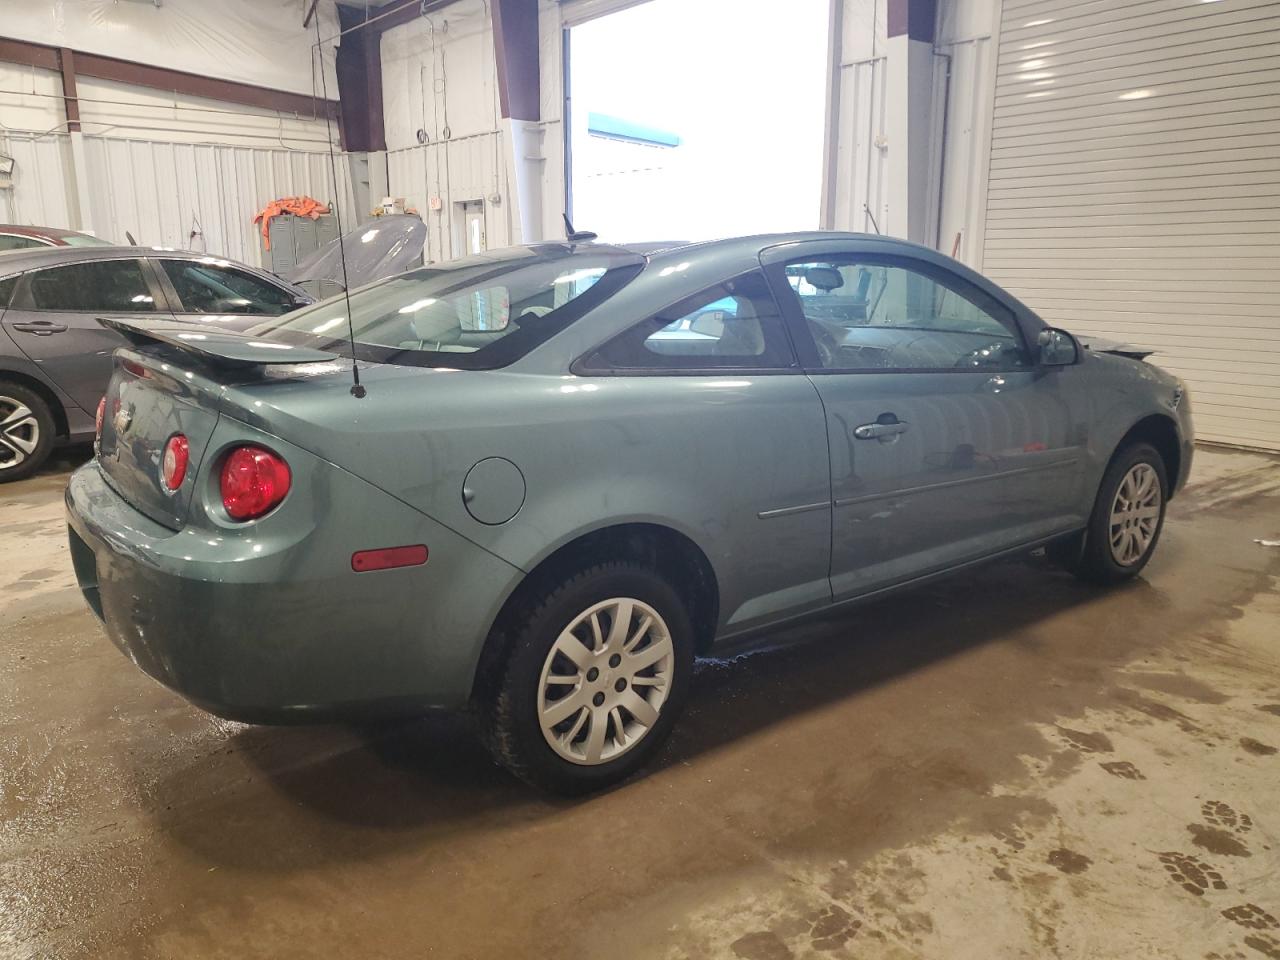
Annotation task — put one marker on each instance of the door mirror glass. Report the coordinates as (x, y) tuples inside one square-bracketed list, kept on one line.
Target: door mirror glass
[(1058, 348)]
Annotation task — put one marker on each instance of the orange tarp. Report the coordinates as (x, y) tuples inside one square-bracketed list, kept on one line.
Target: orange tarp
[(298, 206)]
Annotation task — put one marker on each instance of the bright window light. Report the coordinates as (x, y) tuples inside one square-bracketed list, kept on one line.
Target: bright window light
[(417, 305)]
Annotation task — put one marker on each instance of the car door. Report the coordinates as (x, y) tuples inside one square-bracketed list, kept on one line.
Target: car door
[(948, 442), (53, 319), (707, 403), (208, 289)]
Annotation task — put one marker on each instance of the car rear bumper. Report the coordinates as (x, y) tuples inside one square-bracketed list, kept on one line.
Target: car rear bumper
[(279, 636)]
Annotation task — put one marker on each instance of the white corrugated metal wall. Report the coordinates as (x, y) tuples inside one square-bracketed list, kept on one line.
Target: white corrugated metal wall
[(42, 188), (1134, 188), (965, 71), (459, 170), (160, 192), (860, 190)]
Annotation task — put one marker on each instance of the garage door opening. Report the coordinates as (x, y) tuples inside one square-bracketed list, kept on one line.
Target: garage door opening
[(694, 119)]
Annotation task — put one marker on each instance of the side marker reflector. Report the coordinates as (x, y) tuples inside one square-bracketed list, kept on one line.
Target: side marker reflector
[(388, 558)]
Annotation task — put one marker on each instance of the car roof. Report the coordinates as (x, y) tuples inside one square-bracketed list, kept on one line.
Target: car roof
[(756, 243), (49, 233), (20, 261)]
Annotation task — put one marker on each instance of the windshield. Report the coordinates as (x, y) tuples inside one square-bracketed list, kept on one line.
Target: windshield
[(476, 313)]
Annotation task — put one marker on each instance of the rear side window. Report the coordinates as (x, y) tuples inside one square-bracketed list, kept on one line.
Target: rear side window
[(210, 287), (6, 291), (733, 325), (99, 285), (9, 241)]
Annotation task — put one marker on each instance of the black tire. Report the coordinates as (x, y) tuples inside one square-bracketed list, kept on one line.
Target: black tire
[(509, 708), (13, 395), (1095, 562)]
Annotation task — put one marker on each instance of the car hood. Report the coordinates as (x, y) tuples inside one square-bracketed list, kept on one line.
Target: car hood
[(378, 248), (1103, 345)]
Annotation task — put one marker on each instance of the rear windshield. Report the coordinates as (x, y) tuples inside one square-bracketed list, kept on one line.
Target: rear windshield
[(476, 313)]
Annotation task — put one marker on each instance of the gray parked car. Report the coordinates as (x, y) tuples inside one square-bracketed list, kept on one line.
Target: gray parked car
[(55, 358), (544, 506)]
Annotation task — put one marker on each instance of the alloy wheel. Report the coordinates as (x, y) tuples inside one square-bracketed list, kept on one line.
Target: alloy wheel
[(1135, 514), (19, 432), (605, 680)]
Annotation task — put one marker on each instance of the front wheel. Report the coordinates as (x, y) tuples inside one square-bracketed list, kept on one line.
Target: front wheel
[(1127, 517), (597, 674)]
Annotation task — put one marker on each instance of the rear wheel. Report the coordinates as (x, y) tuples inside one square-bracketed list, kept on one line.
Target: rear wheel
[(26, 431), (1127, 517), (597, 674)]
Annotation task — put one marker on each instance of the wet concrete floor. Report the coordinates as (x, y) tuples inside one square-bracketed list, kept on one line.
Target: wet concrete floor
[(1010, 764)]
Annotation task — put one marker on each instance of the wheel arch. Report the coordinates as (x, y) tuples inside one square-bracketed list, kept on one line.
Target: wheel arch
[(1161, 432), (46, 393), (664, 549)]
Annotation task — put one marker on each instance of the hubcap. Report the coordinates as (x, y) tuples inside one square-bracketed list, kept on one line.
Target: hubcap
[(605, 680), (1135, 514), (19, 433)]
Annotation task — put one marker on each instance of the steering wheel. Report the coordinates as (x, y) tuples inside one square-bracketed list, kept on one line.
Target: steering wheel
[(828, 349)]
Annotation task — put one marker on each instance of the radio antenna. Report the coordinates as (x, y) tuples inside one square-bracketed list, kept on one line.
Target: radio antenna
[(357, 388), (575, 236), (872, 217)]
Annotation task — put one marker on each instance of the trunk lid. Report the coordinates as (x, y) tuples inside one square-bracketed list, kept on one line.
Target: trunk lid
[(171, 381), (149, 401)]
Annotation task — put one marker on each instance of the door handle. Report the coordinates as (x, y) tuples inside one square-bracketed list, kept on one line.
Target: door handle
[(885, 430), (41, 328)]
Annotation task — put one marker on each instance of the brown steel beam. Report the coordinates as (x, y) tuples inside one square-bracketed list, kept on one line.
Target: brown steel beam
[(915, 18), (162, 78), (359, 66), (29, 54), (67, 62), (515, 39)]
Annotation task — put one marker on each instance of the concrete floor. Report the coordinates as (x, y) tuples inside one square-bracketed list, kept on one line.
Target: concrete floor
[(1008, 765)]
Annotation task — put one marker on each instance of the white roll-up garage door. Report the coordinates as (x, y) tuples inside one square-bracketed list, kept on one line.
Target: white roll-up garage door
[(1135, 188)]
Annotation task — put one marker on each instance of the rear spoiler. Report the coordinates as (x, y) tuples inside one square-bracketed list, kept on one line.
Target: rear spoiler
[(220, 347)]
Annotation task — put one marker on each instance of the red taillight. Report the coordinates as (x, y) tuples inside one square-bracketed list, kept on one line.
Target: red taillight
[(388, 557), (97, 420), (173, 465), (254, 481)]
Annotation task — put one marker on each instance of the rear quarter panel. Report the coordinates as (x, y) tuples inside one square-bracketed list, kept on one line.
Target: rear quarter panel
[(701, 455)]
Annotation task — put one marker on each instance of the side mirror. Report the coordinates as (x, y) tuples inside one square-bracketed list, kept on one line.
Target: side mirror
[(1058, 348)]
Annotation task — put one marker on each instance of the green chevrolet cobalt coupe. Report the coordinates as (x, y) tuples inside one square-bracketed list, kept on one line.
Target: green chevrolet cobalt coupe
[(568, 470)]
